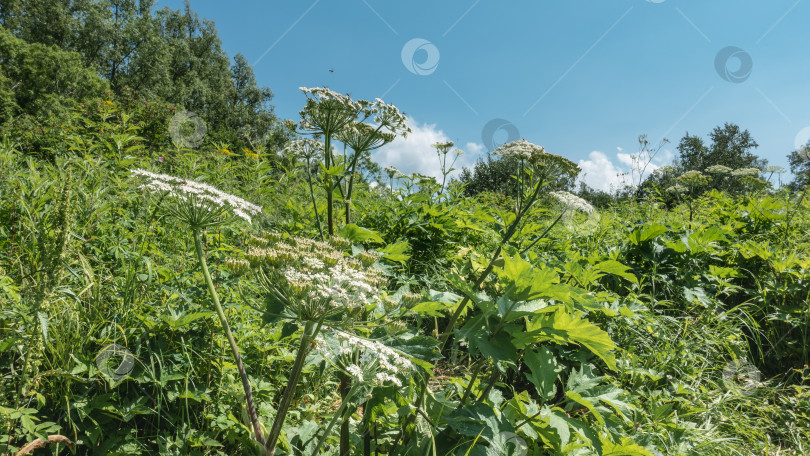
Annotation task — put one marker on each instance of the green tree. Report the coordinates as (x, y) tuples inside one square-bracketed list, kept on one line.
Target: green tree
[(166, 55), (38, 79), (729, 146), (800, 167), (498, 175)]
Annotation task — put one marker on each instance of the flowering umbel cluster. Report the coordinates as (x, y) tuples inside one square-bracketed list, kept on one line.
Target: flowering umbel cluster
[(555, 165), (573, 202), (363, 359), (521, 149), (304, 148), (200, 204), (313, 279), (327, 110)]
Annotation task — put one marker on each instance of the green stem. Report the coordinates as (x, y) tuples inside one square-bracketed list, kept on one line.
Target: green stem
[(345, 389), (314, 203), (284, 404), (476, 371), (492, 380), (327, 155), (508, 235), (339, 413), (251, 408)]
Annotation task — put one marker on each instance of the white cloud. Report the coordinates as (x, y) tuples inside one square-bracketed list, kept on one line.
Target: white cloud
[(416, 154), (600, 172)]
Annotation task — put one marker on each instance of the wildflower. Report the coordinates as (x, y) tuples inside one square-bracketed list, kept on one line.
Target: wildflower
[(204, 203), (355, 371), (746, 172), (521, 149), (677, 188), (340, 243), (572, 201), (575, 204), (410, 299), (237, 266), (225, 151), (327, 110), (718, 169), (304, 148), (694, 179), (364, 137), (160, 159), (368, 258), (384, 362)]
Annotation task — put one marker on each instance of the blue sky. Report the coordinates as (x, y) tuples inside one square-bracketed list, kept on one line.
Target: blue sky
[(583, 78)]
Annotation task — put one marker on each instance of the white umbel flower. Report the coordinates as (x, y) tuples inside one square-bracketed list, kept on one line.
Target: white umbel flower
[(355, 372), (573, 202), (521, 149), (202, 196)]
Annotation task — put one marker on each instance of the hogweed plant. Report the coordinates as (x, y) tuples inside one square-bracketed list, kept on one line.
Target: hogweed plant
[(200, 206), (313, 285), (362, 138), (443, 150), (336, 116), (327, 113), (308, 149), (537, 170)]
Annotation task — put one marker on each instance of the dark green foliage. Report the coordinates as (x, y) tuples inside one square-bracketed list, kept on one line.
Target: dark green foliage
[(42, 80), (163, 56), (800, 167), (498, 175), (729, 147)]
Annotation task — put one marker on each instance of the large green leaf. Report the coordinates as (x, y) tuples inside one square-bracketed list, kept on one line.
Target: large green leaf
[(526, 283), (544, 371), (396, 252), (627, 447), (616, 268), (646, 233), (359, 235), (563, 327)]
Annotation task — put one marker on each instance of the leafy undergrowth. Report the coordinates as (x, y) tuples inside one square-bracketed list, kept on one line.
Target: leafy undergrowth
[(656, 331)]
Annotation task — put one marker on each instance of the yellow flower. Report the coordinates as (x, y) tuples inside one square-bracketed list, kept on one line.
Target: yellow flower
[(108, 102), (247, 151), (225, 151), (253, 155)]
